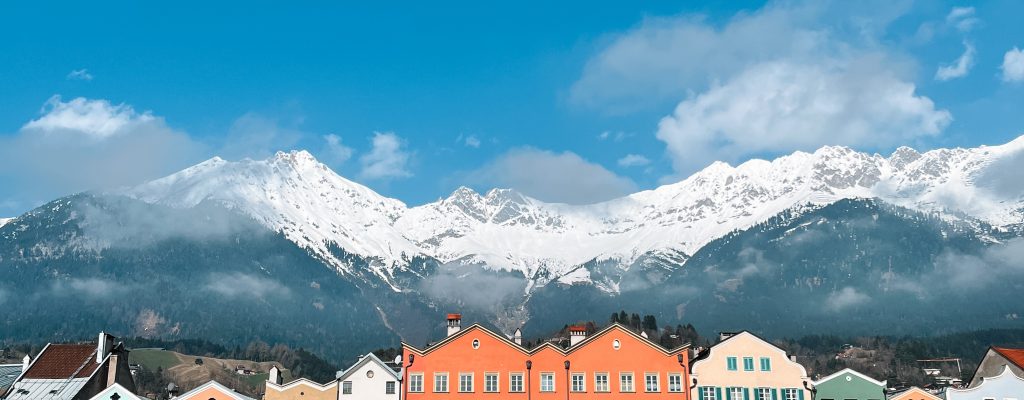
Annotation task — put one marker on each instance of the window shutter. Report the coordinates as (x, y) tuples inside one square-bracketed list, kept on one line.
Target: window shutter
[(800, 394), (775, 394), (718, 393), (728, 394), (746, 393), (700, 393)]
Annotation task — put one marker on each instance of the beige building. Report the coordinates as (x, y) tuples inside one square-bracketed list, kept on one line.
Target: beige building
[(914, 393), (298, 389), (742, 366)]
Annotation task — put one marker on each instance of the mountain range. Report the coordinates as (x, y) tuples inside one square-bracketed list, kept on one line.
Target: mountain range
[(781, 246)]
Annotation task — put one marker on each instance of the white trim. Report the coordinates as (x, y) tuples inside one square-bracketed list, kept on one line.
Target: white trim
[(367, 358), (1005, 371), (216, 385), (302, 381), (858, 374), (103, 393)]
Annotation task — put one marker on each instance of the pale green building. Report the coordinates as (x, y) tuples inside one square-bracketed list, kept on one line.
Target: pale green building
[(849, 385)]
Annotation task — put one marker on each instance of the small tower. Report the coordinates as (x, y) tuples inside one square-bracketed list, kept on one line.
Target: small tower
[(576, 334), (518, 337), (25, 363), (275, 375), (454, 323)]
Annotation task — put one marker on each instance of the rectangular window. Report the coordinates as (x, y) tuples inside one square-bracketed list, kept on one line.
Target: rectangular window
[(626, 382), (790, 394), (675, 383), (651, 384), (441, 382), (389, 387), (707, 393), (346, 387), (762, 394), (579, 382), (491, 383), (766, 364), (748, 363), (730, 363), (601, 382), (465, 383), (416, 383), (515, 382), (734, 393), (547, 381)]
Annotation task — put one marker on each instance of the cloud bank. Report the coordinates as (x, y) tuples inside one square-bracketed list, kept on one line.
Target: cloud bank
[(553, 177)]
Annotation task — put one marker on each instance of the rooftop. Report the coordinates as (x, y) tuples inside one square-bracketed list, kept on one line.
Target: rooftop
[(63, 361)]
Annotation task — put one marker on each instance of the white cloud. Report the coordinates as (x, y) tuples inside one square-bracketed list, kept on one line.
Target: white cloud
[(469, 141), (242, 285), (782, 106), (95, 118), (553, 177), (614, 136), (845, 298), (960, 68), (257, 136), (79, 75), (633, 160), (336, 152), (1013, 65), (962, 18), (85, 144), (388, 159)]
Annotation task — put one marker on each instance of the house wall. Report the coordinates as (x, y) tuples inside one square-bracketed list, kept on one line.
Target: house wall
[(991, 365), (712, 373), (914, 394), (849, 386), (1005, 387), (209, 393), (498, 356), (367, 388), (300, 391)]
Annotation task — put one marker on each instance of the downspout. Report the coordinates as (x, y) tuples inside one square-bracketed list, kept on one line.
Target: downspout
[(529, 388), (405, 376)]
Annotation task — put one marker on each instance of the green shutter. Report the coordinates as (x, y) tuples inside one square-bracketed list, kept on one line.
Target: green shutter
[(746, 393), (775, 394), (700, 393), (718, 393), (728, 394), (800, 394)]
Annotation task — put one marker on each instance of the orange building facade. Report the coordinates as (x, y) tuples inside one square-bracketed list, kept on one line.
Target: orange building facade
[(613, 363)]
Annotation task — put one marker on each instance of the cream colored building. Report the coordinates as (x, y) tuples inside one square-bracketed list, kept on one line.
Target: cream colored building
[(743, 366), (298, 389)]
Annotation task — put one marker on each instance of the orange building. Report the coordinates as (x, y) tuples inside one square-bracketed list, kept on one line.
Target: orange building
[(476, 363)]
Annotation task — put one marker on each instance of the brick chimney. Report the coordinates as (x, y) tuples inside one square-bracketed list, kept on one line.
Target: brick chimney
[(112, 370), (454, 323), (576, 334), (518, 337)]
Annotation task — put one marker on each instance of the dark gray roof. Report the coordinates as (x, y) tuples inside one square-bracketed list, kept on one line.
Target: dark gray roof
[(8, 373)]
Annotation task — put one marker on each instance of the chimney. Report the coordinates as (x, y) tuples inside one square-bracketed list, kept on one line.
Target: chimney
[(112, 370), (275, 375), (103, 346), (643, 334), (576, 334), (25, 363), (725, 335), (454, 323), (518, 337)]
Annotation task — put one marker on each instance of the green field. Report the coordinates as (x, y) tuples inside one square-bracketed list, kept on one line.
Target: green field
[(151, 359), (256, 380)]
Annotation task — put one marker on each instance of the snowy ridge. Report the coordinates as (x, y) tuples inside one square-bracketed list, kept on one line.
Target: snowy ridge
[(4, 221), (502, 229)]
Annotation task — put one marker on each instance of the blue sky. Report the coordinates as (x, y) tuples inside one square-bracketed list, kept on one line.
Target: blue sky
[(575, 101)]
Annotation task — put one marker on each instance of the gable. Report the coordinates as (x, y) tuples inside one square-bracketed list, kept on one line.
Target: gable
[(115, 392), (915, 393), (746, 344)]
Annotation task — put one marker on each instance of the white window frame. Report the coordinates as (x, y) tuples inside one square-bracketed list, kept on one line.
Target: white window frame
[(677, 386), (466, 386), (734, 393), (412, 382), (735, 363), (393, 387), (607, 387), (632, 382), (765, 361), (765, 391), (349, 387), (709, 393), (582, 387), (497, 382), (438, 381), (550, 375), (647, 382), (786, 394), (512, 383), (752, 366)]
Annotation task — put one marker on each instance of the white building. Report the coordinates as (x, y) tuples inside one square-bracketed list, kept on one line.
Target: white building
[(1005, 386), (369, 379)]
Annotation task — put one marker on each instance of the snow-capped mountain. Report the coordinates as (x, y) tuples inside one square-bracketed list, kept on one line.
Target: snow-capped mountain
[(505, 230), (4, 221)]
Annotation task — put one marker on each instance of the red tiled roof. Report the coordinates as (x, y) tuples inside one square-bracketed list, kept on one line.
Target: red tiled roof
[(454, 316), (1015, 356), (577, 328), (60, 361)]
